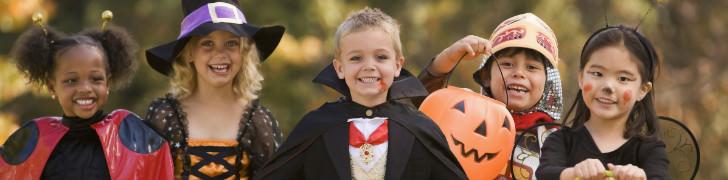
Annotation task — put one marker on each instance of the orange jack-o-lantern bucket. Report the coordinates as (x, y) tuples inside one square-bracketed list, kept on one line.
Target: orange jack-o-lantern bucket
[(479, 130)]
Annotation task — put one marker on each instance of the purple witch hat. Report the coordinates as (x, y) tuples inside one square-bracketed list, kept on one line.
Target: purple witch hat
[(205, 16)]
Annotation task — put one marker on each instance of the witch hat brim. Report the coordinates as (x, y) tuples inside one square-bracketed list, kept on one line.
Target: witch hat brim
[(266, 38)]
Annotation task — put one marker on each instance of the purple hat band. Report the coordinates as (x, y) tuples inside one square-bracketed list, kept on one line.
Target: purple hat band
[(218, 12)]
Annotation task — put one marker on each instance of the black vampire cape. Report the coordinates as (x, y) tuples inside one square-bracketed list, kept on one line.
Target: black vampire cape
[(317, 148)]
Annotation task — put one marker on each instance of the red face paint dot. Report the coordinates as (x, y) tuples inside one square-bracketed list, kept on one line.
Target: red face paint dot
[(627, 96), (382, 85), (587, 87)]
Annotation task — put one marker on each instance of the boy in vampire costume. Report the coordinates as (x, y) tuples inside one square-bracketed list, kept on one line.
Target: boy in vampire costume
[(371, 133)]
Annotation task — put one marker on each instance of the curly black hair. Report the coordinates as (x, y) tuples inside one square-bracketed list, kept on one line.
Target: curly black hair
[(120, 51), (36, 52), (31, 50)]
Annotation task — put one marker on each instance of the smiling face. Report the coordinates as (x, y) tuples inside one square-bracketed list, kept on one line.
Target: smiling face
[(611, 83), (368, 63), (80, 81), (525, 79), (216, 58)]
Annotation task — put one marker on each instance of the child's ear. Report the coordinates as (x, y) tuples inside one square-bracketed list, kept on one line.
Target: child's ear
[(188, 58), (338, 68), (484, 80), (644, 89), (108, 80), (399, 64), (50, 84), (579, 79)]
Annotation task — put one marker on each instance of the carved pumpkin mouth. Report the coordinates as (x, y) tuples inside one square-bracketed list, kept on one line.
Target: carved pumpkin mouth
[(472, 151)]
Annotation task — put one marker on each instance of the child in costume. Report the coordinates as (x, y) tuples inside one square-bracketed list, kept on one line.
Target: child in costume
[(368, 134), (521, 72), (85, 142), (211, 116), (614, 125)]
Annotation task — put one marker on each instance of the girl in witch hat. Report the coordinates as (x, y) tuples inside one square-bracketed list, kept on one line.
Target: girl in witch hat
[(211, 116), (85, 143)]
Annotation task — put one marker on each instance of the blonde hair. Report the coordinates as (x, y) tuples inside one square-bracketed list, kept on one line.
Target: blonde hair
[(246, 84), (366, 19)]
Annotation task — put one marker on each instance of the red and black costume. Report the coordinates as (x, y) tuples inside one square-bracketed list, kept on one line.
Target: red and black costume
[(319, 146), (113, 146)]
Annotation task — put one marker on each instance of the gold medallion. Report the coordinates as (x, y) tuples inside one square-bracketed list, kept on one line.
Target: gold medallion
[(366, 152)]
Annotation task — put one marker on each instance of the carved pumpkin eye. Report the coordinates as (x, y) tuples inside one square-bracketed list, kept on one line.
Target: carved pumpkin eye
[(482, 154), (481, 129), (460, 106), (506, 123)]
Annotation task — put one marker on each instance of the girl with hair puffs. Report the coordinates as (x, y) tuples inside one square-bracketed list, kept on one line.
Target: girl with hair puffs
[(84, 142)]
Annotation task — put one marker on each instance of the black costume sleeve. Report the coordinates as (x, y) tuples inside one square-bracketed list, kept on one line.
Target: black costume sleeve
[(653, 158), (288, 161), (266, 137), (163, 118), (554, 156), (431, 82)]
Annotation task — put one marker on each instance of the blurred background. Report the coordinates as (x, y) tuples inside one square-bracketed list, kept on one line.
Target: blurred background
[(690, 37)]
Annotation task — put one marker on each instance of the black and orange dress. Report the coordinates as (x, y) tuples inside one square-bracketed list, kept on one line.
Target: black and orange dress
[(257, 139)]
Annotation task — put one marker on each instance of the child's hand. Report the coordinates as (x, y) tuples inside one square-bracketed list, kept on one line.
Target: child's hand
[(470, 46), (590, 169), (628, 171)]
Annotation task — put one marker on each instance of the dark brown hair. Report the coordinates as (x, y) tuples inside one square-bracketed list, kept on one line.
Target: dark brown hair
[(641, 121), (482, 77)]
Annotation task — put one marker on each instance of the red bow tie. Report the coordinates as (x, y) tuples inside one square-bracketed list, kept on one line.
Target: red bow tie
[(379, 136)]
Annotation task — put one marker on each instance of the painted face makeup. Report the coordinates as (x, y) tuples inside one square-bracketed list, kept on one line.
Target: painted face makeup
[(368, 64), (610, 81)]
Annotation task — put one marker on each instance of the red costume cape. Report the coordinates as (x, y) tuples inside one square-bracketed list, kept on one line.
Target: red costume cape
[(132, 149)]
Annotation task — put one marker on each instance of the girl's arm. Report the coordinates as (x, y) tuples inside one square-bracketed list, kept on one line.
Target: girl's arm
[(161, 116), (554, 156), (554, 161), (266, 137), (653, 159)]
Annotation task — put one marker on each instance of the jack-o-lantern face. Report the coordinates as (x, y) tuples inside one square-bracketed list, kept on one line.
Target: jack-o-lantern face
[(479, 130)]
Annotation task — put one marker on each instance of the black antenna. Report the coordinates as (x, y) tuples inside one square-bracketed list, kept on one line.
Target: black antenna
[(605, 8), (643, 18)]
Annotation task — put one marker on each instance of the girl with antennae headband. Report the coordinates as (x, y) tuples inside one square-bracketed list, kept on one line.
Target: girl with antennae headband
[(613, 127), (84, 142)]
